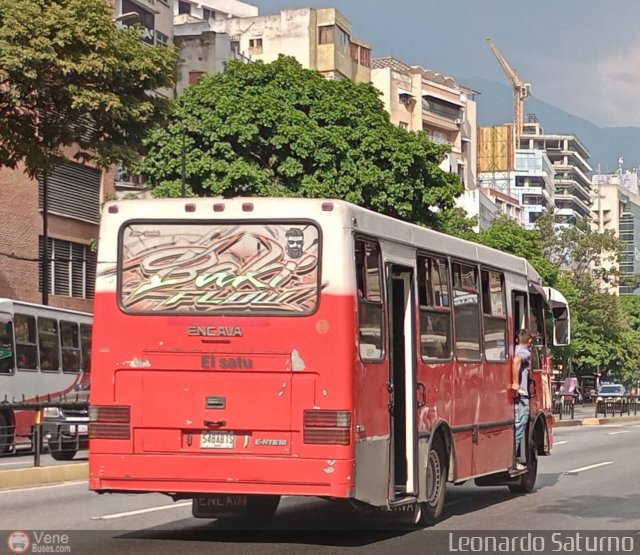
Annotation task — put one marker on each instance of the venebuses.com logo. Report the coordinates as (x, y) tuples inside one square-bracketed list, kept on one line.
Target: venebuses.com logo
[(20, 541)]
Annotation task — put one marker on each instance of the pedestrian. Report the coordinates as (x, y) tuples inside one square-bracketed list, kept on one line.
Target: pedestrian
[(520, 378)]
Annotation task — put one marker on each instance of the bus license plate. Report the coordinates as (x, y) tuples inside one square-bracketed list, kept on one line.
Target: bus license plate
[(217, 440)]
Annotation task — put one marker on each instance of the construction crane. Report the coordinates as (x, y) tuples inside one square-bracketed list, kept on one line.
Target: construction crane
[(520, 92)]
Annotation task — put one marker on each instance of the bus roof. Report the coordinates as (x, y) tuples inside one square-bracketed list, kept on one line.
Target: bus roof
[(11, 305), (354, 217)]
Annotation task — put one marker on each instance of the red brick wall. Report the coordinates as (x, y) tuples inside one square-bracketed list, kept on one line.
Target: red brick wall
[(20, 226)]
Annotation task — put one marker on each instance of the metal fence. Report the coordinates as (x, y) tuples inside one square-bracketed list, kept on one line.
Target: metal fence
[(64, 437)]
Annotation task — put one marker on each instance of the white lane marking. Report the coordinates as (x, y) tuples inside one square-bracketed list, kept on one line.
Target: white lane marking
[(141, 511), (64, 484), (576, 470), (16, 464), (620, 432), (559, 443)]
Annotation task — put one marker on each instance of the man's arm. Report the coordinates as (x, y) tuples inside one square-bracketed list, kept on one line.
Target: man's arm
[(515, 372)]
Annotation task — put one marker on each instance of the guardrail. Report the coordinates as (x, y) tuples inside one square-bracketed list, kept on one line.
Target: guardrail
[(72, 438), (564, 406), (618, 405)]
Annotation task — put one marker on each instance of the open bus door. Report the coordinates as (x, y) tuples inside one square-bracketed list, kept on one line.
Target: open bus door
[(403, 479)]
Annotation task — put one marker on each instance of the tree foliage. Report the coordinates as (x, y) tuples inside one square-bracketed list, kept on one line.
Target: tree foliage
[(280, 130), (582, 264), (68, 76)]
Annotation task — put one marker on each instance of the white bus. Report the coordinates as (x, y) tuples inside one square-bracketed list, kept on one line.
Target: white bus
[(43, 353)]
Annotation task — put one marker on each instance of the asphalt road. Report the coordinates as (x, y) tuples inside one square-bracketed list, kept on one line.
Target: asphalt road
[(589, 483)]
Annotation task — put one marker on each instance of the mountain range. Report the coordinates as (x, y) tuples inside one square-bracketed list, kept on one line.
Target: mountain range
[(605, 144)]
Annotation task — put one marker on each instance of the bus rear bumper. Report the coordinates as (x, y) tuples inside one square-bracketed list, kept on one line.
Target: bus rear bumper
[(175, 474)]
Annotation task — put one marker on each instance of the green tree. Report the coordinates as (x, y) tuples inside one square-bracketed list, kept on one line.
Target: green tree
[(68, 76), (280, 130), (506, 235)]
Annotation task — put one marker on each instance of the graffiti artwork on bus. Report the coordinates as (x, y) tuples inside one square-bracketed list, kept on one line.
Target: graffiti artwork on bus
[(220, 268)]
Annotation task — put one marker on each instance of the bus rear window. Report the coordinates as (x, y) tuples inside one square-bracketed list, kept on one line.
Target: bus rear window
[(189, 267)]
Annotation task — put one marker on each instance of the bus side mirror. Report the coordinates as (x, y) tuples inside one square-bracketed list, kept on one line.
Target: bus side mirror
[(561, 326)]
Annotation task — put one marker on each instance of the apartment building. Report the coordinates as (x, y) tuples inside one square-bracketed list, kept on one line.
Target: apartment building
[(419, 99), (616, 208), (320, 39), (569, 159), (526, 176)]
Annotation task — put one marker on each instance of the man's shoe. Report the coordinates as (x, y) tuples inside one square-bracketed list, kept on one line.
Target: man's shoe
[(519, 467)]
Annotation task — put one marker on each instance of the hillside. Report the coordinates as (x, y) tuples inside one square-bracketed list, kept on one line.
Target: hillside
[(605, 144)]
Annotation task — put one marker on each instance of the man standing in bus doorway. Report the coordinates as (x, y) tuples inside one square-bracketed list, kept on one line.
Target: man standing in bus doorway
[(520, 377)]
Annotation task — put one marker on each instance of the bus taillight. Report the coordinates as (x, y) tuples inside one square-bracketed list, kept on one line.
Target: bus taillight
[(327, 427), (109, 422)]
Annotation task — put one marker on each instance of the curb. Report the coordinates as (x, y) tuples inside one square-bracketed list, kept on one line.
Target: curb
[(21, 477), (595, 421)]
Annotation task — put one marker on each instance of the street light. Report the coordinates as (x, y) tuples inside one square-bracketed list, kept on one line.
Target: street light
[(125, 17)]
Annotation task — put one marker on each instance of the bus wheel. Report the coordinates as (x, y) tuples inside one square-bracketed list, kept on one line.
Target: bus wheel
[(66, 452), (6, 437), (431, 510), (528, 481)]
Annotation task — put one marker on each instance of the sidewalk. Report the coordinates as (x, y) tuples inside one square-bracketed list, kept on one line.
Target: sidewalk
[(36, 476), (585, 415)]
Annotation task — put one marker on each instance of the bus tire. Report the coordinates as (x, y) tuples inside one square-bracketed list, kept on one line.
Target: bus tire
[(6, 437), (527, 481), (66, 451), (437, 469)]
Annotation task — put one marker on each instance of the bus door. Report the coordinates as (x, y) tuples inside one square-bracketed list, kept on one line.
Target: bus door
[(402, 382), (520, 313)]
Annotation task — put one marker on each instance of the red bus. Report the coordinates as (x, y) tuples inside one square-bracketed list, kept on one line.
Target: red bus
[(43, 351), (270, 347)]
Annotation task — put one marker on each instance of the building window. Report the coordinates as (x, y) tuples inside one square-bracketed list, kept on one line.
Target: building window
[(73, 192), (161, 38), (72, 269), (184, 8), (365, 57), (194, 76), (145, 19), (332, 34), (208, 14), (403, 125), (255, 46), (325, 35)]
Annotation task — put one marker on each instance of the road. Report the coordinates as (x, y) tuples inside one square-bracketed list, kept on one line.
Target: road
[(589, 483)]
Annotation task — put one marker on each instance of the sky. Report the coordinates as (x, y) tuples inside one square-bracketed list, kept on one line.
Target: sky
[(582, 56)]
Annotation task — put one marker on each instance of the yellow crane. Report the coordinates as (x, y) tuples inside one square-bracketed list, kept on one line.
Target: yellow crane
[(520, 92)]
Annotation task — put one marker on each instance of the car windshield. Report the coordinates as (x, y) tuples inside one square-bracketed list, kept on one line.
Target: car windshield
[(607, 389)]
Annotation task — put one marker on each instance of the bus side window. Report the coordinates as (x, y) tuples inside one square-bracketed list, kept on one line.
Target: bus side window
[(466, 309), (435, 308), (368, 281), (70, 342), (7, 351), (49, 340), (494, 315), (85, 345), (26, 347)]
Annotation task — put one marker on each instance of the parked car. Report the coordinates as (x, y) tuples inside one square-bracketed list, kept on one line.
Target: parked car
[(611, 392), (66, 428)]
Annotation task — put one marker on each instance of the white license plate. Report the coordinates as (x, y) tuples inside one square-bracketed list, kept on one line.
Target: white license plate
[(80, 428), (217, 440)]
